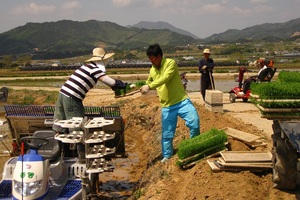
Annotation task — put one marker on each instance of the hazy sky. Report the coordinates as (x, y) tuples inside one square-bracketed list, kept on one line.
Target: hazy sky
[(202, 18)]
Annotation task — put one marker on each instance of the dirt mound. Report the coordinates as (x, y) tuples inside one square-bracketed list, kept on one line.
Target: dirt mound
[(153, 180)]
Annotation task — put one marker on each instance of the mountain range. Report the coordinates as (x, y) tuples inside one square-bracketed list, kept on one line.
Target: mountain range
[(162, 25), (68, 38), (268, 32)]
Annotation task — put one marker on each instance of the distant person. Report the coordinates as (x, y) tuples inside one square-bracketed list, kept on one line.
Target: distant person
[(69, 103), (206, 66), (165, 78), (264, 68)]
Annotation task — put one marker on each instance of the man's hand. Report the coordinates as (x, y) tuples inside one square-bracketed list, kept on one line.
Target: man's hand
[(145, 89), (204, 67)]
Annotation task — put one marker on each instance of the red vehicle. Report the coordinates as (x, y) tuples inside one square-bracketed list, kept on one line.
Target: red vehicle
[(237, 92)]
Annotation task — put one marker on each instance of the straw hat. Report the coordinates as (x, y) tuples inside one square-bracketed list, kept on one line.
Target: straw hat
[(206, 51), (100, 54)]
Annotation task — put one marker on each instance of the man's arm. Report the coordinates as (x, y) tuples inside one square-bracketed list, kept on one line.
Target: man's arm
[(113, 83)]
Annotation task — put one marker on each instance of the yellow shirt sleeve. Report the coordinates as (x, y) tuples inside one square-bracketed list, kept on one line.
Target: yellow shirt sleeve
[(166, 80)]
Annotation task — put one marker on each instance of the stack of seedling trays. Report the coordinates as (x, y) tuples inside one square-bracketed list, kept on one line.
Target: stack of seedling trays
[(214, 100), (206, 144), (279, 99)]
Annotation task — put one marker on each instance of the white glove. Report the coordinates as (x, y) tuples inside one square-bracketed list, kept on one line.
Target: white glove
[(204, 67), (132, 86), (145, 89)]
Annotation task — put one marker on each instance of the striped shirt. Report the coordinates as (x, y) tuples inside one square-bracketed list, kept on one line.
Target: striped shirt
[(82, 80)]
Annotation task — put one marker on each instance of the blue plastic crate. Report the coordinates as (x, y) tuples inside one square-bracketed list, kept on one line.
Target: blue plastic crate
[(5, 189), (70, 189)]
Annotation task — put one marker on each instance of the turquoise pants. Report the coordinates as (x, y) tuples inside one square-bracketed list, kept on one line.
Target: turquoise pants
[(188, 113)]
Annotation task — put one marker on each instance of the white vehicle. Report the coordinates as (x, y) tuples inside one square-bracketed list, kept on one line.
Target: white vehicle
[(50, 168)]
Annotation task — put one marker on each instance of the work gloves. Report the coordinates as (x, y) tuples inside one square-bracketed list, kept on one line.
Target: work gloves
[(119, 85), (145, 89)]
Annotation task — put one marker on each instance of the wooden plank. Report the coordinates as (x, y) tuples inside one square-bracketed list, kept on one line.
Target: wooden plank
[(213, 166), (279, 100), (129, 93), (245, 165), (222, 161), (246, 156), (209, 156), (242, 164), (273, 117), (216, 167), (189, 165), (273, 100), (241, 135), (256, 143), (279, 110)]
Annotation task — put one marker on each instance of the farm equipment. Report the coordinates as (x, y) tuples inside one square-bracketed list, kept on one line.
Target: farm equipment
[(279, 101), (286, 147), (239, 93), (286, 151), (51, 169)]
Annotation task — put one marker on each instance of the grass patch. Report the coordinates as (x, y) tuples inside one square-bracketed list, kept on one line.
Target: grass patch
[(138, 194), (30, 97)]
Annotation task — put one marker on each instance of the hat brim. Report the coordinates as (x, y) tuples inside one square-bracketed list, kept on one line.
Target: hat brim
[(98, 58)]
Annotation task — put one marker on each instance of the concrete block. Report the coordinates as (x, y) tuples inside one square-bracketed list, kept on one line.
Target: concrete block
[(214, 97), (214, 100), (214, 108)]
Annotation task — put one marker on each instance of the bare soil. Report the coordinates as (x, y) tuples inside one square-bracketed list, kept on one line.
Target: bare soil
[(153, 180), (143, 176)]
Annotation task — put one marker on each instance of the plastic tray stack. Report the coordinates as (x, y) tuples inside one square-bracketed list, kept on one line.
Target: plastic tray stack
[(76, 136), (96, 151), (91, 134), (278, 113)]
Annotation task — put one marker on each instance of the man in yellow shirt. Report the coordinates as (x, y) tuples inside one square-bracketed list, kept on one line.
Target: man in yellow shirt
[(164, 77)]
